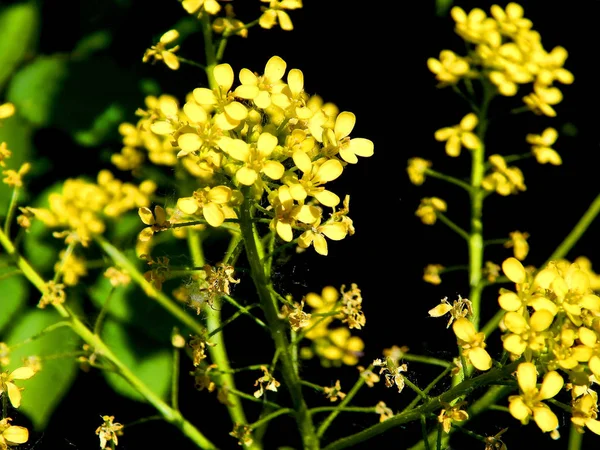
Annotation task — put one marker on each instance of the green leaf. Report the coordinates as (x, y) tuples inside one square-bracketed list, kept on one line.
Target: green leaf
[(14, 295), (150, 362), (92, 43), (35, 89), (18, 134), (18, 36), (44, 391), (442, 7)]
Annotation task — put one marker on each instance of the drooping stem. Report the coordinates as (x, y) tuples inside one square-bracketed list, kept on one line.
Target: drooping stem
[(279, 330)]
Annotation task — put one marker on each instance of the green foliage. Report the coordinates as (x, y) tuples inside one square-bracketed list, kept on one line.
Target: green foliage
[(46, 389), (150, 362), (14, 296), (19, 26)]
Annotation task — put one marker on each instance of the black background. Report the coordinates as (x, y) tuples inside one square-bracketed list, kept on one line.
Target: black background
[(368, 58)]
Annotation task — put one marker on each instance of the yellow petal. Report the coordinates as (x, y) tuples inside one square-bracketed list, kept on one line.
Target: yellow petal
[(545, 418), (189, 142), (169, 36), (361, 147), (302, 161), (236, 111), (480, 358), (515, 322), (334, 231), (327, 198), (527, 376), (213, 214), (146, 216), (320, 244), (273, 169), (162, 127), (247, 91), (16, 435), (284, 230), (440, 310), (204, 96), (541, 320), (587, 336), (518, 409), (246, 176), (187, 205), (308, 214), (224, 76), (295, 81), (514, 270), (236, 148), (195, 112), (266, 144), (469, 122), (329, 170), (170, 60), (551, 385), (509, 301), (344, 123), (514, 344), (220, 194), (593, 425), (14, 394), (464, 329), (284, 20), (275, 68), (248, 78)]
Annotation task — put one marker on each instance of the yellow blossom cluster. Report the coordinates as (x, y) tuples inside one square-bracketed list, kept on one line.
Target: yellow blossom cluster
[(553, 317), (334, 346), (82, 206), (508, 52), (265, 140)]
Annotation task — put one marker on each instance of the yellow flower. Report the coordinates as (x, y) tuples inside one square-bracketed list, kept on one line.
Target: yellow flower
[(384, 412), (337, 140), (474, 27), (160, 52), (71, 268), (6, 110), (11, 434), (229, 23), (315, 235), (266, 382), (450, 414), (314, 175), (14, 178), (275, 13), (5, 153), (431, 274), (212, 203), (266, 89), (339, 346), (503, 179), (156, 222), (428, 209), (551, 67), (518, 241), (541, 100), (109, 432), (511, 21), (334, 393), (198, 6), (459, 309), (585, 412), (255, 158), (459, 135), (7, 387), (472, 343), (392, 372), (450, 68), (529, 403), (230, 113), (541, 147), (417, 167)]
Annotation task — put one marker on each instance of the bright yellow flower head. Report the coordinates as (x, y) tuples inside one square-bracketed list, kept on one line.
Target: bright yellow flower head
[(429, 208), (460, 135), (518, 241), (6, 110), (275, 13), (11, 434), (337, 140), (417, 167), (503, 179), (450, 68), (215, 204), (541, 147), (529, 403), (472, 344), (160, 52), (8, 387), (212, 7)]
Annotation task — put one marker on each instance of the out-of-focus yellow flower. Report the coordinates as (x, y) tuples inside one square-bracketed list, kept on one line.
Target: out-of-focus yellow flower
[(529, 403), (541, 147), (450, 68), (6, 110), (384, 412), (334, 393), (460, 135), (71, 268), (212, 7), (417, 167), (5, 153), (518, 241), (156, 222), (475, 26), (541, 100), (8, 387), (229, 24), (511, 21), (14, 178), (428, 209), (160, 52), (339, 346), (431, 274), (275, 13), (503, 179)]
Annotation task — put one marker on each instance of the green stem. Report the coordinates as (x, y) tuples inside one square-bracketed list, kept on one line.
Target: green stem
[(170, 415), (448, 178), (218, 352), (12, 206), (279, 329), (426, 360), (458, 230), (175, 379), (577, 231), (245, 310), (356, 409), (171, 306), (428, 408), (270, 417), (329, 420), (575, 439)]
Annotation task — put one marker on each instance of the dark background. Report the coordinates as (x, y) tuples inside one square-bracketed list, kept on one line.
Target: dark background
[(368, 58)]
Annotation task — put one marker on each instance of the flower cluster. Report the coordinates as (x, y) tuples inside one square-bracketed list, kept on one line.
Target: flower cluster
[(508, 52), (552, 318)]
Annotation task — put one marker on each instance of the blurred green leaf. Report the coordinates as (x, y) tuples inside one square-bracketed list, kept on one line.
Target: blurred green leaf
[(442, 7), (92, 43), (35, 89), (18, 134), (147, 360), (39, 245), (18, 36), (104, 125), (130, 305), (44, 391), (14, 295)]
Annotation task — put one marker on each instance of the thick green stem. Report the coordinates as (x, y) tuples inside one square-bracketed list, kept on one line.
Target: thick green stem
[(218, 352), (575, 439), (169, 414), (279, 329)]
